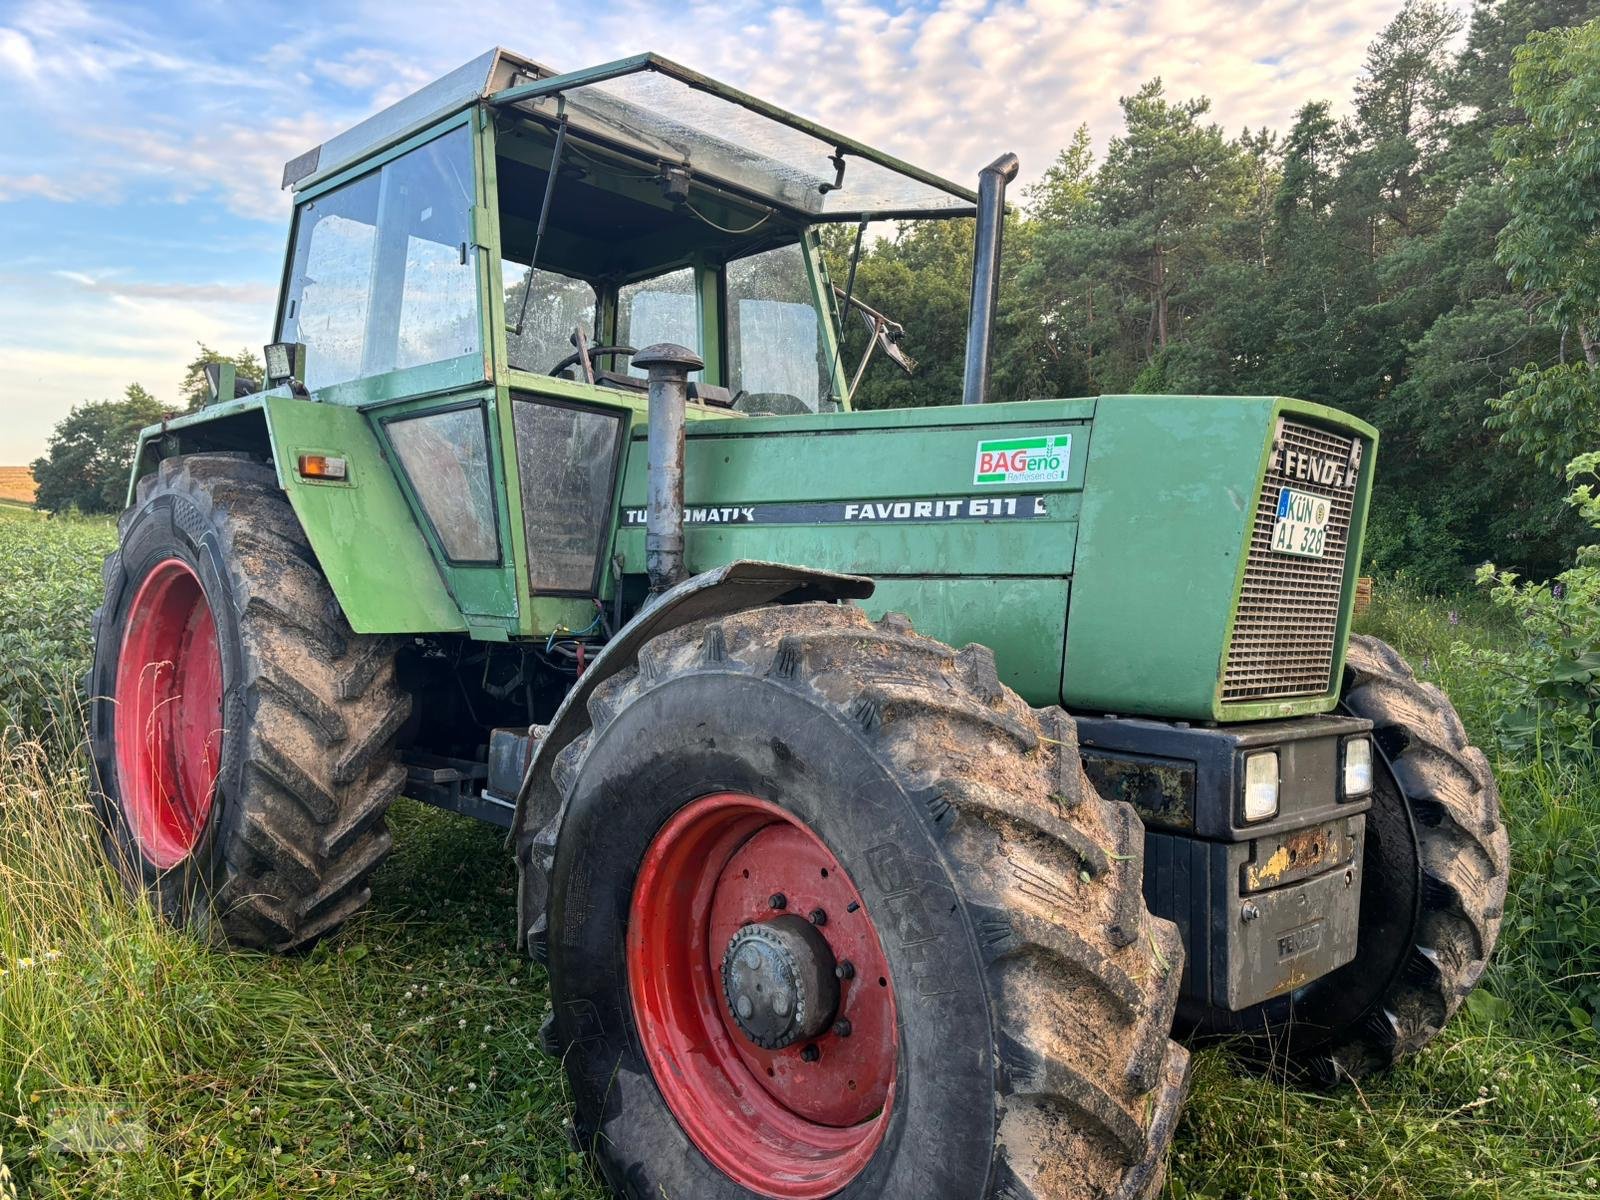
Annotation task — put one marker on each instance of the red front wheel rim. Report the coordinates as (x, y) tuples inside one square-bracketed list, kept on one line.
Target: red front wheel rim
[(168, 723), (797, 1123)]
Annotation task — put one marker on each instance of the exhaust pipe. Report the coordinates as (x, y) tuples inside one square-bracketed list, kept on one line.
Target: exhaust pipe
[(992, 182), (669, 366)]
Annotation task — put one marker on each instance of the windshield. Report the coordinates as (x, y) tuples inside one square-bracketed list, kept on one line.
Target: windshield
[(777, 355), (667, 113), (548, 307)]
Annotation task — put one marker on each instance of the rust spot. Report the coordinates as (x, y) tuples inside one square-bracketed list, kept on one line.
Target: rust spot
[(1296, 855)]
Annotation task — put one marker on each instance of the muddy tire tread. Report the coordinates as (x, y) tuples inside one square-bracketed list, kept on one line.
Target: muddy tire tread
[(1050, 873), (1464, 853), (323, 711)]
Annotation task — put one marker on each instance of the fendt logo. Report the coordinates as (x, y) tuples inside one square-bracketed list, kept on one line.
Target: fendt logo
[(1045, 459), (1313, 468)]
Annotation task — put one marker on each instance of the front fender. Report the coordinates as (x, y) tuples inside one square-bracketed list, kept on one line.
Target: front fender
[(740, 585)]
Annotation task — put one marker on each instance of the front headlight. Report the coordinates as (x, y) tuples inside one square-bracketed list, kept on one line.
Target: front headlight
[(1357, 767), (1261, 785)]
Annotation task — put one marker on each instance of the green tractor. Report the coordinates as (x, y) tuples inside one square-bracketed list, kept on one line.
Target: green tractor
[(554, 511)]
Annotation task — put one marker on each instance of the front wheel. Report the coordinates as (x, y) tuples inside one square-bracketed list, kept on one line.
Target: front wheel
[(835, 914)]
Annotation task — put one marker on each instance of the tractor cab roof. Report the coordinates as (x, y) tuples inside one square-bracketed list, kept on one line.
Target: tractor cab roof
[(652, 110)]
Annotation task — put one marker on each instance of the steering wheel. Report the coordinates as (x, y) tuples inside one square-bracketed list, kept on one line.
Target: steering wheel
[(576, 356)]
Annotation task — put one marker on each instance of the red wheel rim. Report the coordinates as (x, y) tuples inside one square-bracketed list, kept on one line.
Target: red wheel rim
[(798, 1123), (168, 723)]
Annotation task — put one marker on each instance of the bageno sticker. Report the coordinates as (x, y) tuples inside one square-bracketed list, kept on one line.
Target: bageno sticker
[(1044, 459)]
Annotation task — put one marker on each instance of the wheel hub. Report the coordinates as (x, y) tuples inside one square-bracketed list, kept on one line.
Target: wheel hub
[(779, 978)]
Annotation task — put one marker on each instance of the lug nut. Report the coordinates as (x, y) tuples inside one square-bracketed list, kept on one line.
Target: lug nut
[(811, 1054), (842, 1027), (818, 917), (1249, 912), (1349, 877), (845, 970), (778, 900)]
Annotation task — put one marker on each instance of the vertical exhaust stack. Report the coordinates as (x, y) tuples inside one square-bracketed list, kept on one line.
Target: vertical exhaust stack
[(669, 366), (992, 182)]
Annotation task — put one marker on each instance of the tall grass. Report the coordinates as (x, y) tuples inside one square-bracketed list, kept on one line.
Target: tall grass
[(400, 1057), (135, 1062)]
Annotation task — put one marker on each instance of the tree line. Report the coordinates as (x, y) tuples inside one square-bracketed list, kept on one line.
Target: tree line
[(1429, 262)]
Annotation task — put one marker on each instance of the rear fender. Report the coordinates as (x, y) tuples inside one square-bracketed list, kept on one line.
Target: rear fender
[(733, 588)]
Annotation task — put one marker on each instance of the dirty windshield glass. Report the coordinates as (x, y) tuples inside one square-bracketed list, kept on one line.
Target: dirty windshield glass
[(553, 307), (775, 347), (662, 309), (665, 118)]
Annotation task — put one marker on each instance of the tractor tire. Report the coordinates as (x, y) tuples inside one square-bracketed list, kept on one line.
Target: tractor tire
[(769, 794), (1433, 892), (242, 735)]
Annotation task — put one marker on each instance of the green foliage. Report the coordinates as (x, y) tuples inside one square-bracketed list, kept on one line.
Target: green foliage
[(1551, 244), (1549, 413), (46, 601), (1552, 675), (90, 454)]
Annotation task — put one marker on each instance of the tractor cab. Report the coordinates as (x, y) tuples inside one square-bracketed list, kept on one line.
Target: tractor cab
[(473, 270), (513, 224)]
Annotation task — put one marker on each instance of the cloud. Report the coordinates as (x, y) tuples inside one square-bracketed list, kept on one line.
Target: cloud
[(13, 186), (16, 52), (948, 85)]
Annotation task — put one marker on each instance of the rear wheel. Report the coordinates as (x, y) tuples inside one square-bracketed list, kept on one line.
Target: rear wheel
[(834, 913), (242, 734)]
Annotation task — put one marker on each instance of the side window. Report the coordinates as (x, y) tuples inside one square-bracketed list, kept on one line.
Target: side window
[(445, 455), (775, 347), (382, 274), (557, 304), (662, 309)]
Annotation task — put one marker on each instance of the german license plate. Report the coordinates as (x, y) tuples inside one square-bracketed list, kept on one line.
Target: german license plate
[(1302, 525)]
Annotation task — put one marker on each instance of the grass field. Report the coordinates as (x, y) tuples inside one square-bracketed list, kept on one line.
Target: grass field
[(16, 485), (399, 1058)]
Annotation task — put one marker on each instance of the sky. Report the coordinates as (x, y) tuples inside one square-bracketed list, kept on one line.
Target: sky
[(142, 145)]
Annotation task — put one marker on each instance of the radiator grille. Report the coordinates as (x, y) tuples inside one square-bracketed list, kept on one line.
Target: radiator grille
[(1289, 608)]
